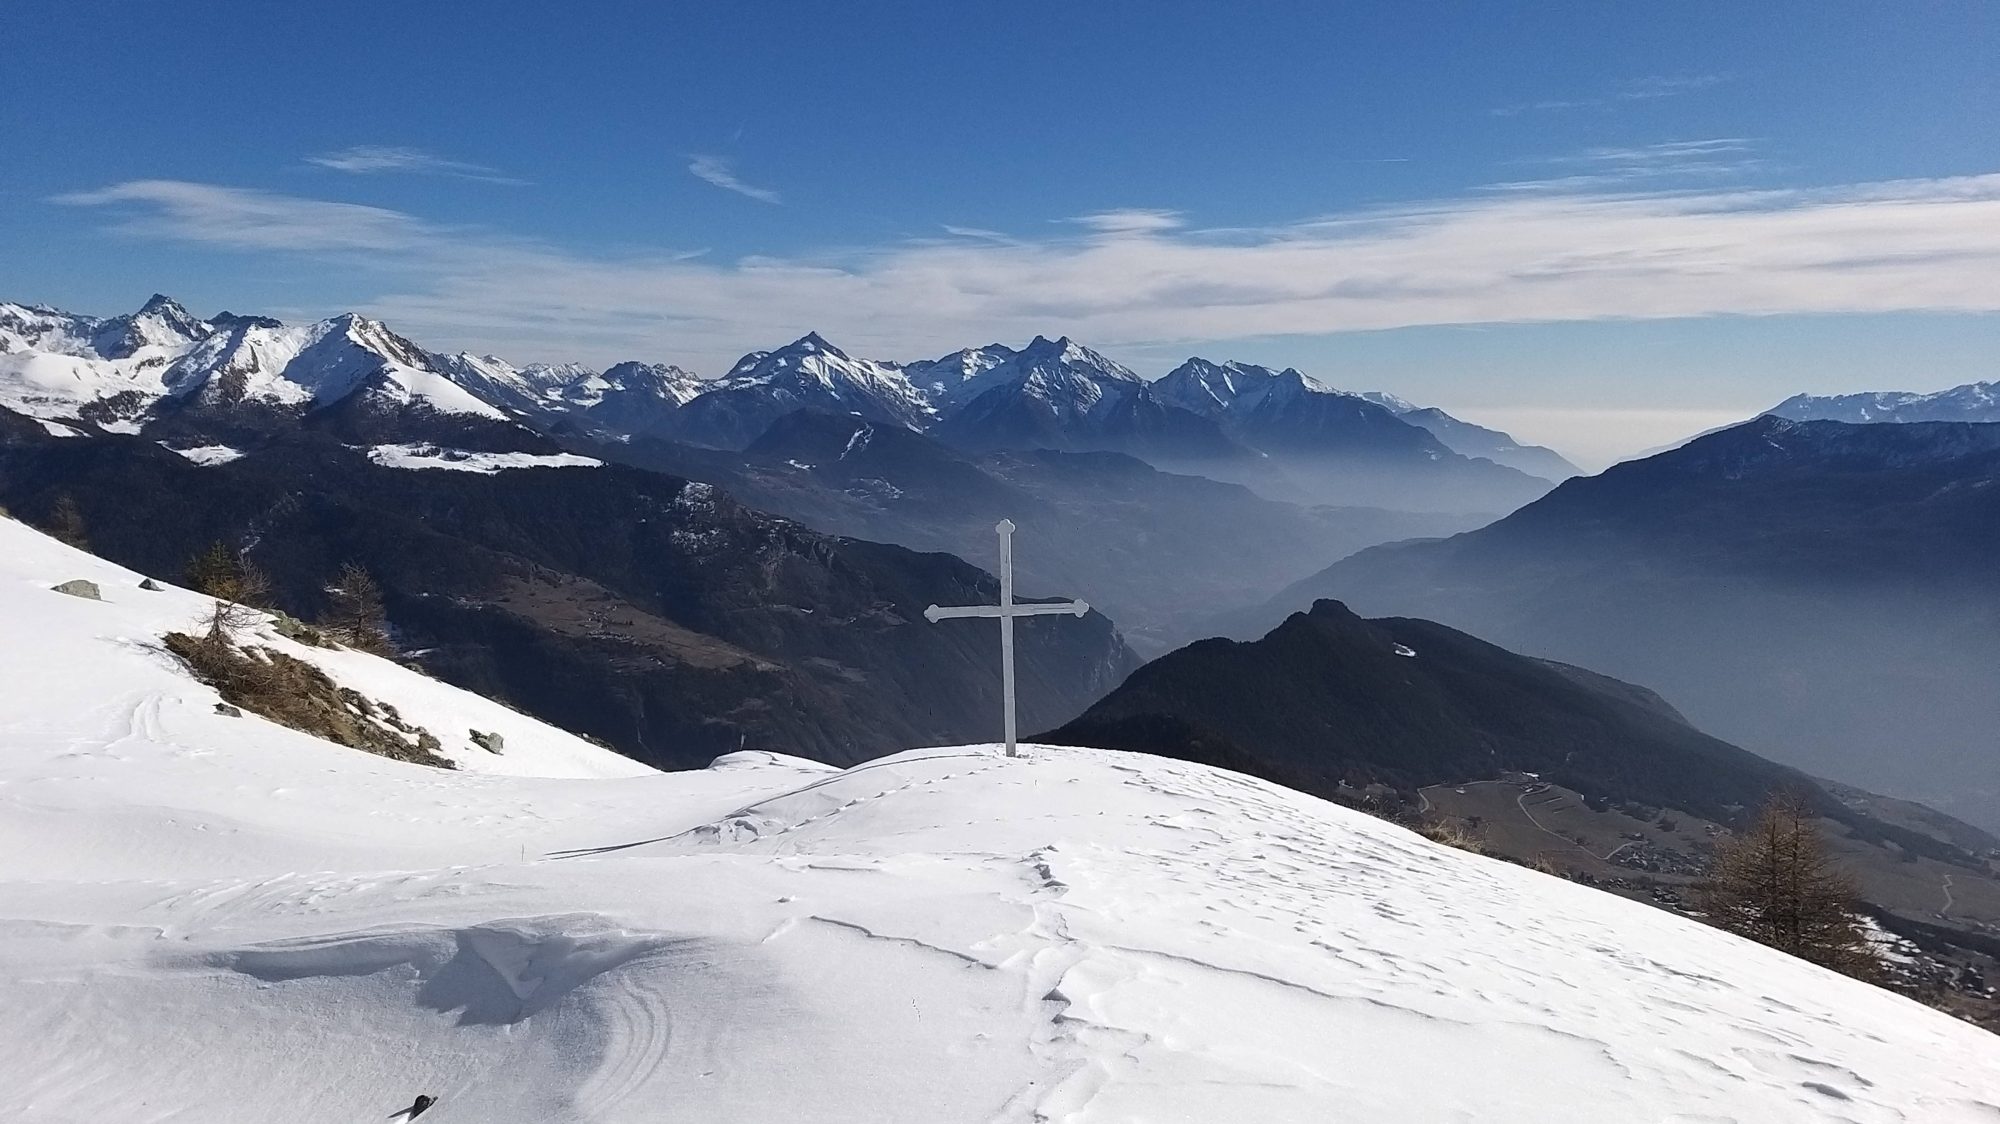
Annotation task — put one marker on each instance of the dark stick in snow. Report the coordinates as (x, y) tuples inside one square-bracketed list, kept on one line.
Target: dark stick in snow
[(416, 1109)]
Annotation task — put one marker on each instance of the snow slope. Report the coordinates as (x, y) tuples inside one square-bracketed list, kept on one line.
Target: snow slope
[(217, 920)]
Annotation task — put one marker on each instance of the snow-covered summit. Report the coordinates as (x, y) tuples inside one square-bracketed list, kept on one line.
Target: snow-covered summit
[(160, 323), (1218, 389), (210, 916), (35, 327), (807, 374), (621, 400), (1972, 402), (663, 380), (1256, 396), (317, 364), (1059, 378), (818, 374), (116, 371), (940, 377), (1386, 400)]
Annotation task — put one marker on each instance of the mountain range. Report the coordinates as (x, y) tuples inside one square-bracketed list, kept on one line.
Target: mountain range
[(1289, 411), (1971, 402), (1817, 591), (1158, 551), (230, 378)]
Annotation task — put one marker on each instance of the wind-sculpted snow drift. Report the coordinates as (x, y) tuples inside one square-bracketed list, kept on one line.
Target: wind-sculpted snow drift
[(217, 919)]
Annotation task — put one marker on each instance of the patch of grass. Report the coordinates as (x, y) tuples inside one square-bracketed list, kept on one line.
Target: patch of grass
[(1453, 833), (294, 693)]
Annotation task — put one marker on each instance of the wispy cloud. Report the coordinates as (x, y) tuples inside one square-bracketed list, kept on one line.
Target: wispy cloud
[(244, 219), (1135, 220), (1136, 278), (1631, 90), (719, 170), (1666, 85), (373, 159), (979, 233), (1686, 161)]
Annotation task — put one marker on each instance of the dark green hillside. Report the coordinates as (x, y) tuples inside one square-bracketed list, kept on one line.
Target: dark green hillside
[(1328, 699), (658, 615)]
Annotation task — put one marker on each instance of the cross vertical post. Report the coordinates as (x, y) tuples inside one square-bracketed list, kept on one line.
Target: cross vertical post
[(1006, 529), (1006, 611)]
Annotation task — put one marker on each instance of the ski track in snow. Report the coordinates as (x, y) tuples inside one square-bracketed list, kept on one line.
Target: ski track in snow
[(216, 919)]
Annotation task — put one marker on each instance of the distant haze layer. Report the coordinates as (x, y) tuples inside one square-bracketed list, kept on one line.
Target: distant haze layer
[(1598, 437)]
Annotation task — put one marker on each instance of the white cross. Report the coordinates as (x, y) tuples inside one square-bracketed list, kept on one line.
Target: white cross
[(1007, 610)]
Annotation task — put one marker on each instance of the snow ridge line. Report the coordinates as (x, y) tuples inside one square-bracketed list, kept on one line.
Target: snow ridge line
[(741, 825)]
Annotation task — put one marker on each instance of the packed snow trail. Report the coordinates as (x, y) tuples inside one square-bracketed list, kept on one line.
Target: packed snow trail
[(215, 919)]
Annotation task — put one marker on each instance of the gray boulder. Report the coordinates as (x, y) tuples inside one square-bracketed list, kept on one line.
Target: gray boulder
[(292, 628), (77, 587), (150, 586)]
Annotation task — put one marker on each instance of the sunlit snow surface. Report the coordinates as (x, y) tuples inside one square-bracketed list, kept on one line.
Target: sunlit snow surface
[(459, 460), (213, 919), (211, 455)]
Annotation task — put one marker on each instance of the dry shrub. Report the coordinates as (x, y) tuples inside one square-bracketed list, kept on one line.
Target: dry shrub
[(1453, 833), (294, 693)]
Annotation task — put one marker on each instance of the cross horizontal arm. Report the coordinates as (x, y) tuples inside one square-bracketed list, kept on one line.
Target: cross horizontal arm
[(935, 614), (1042, 609)]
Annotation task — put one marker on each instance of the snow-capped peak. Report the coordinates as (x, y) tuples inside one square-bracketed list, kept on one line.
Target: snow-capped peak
[(1385, 400), (160, 324), (813, 342), (1972, 402), (1060, 374), (663, 380), (35, 327), (1068, 353), (56, 365), (792, 356), (1292, 382), (809, 371), (302, 367), (1215, 389), (940, 377)]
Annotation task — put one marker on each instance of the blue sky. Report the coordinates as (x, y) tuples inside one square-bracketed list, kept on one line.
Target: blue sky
[(1601, 224)]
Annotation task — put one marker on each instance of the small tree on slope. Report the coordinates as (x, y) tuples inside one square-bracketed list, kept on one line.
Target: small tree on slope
[(239, 588), (1776, 885), (355, 617), (66, 523)]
